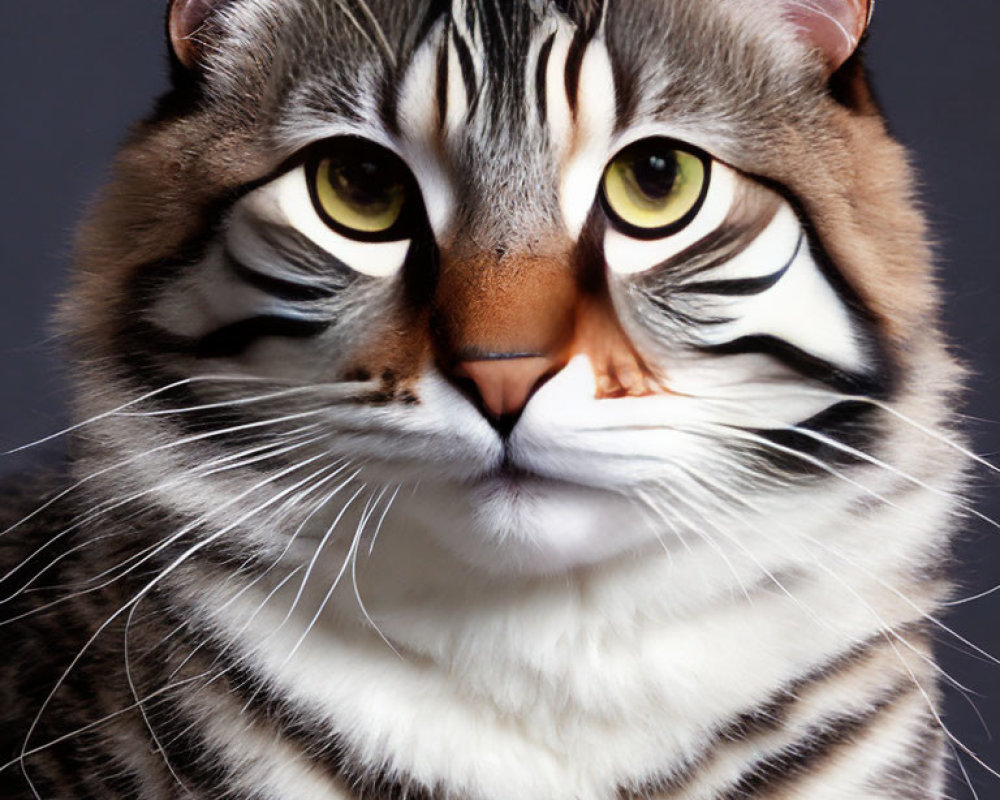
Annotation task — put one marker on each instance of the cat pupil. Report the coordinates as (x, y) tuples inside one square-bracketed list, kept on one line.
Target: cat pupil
[(656, 175), (365, 185)]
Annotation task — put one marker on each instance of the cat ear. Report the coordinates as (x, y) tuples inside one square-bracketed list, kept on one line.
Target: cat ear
[(188, 20), (834, 27)]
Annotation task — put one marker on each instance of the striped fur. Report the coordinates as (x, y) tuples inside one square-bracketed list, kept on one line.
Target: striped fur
[(292, 557)]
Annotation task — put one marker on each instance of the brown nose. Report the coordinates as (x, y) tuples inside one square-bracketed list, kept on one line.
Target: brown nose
[(506, 384)]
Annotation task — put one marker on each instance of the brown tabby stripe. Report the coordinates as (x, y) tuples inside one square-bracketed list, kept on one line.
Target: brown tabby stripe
[(771, 715), (809, 755), (263, 705)]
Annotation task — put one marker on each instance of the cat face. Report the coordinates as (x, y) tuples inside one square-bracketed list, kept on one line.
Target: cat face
[(567, 280)]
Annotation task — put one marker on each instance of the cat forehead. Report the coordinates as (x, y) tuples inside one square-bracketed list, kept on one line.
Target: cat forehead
[(693, 62)]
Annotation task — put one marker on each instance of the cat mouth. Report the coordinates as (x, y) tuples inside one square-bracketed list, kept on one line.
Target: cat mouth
[(510, 473), (508, 469), (511, 476)]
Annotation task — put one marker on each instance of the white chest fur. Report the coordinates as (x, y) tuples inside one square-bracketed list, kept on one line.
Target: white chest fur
[(567, 687)]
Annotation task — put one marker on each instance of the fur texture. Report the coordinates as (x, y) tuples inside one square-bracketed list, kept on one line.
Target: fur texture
[(295, 557)]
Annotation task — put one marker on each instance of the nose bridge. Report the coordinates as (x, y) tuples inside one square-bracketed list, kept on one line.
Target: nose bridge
[(517, 303)]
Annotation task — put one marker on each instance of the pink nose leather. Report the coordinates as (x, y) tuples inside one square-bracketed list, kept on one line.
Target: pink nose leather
[(506, 385)]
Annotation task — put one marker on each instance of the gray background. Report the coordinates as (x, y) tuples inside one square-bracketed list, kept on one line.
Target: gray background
[(76, 73)]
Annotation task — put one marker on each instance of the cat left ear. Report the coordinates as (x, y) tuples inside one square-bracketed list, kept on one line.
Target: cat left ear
[(187, 22), (834, 27)]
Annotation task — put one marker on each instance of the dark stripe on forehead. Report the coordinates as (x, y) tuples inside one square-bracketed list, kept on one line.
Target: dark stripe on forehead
[(436, 11), (574, 64), (586, 14), (541, 78), (468, 70), (469, 6), (441, 77)]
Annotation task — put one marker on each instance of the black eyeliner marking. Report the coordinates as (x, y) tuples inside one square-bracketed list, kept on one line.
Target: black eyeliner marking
[(235, 339), (742, 287), (710, 252)]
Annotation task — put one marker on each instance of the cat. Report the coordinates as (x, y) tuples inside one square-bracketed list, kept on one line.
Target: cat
[(495, 400)]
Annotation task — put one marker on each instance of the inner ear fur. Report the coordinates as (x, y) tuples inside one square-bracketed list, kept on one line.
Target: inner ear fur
[(834, 27), (188, 24)]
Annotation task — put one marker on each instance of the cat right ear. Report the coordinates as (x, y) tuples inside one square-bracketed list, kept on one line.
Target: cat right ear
[(188, 23), (833, 27)]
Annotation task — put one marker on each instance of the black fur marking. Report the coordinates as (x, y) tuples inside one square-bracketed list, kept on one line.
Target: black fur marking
[(234, 340), (574, 63), (358, 375), (741, 287), (312, 736), (276, 287), (441, 77), (468, 71), (768, 717), (872, 384), (881, 363), (793, 763), (541, 81), (850, 424)]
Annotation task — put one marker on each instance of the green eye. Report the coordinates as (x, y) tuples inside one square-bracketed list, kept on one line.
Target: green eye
[(653, 189), (361, 189)]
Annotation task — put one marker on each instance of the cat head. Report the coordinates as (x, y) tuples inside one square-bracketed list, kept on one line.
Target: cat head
[(563, 275)]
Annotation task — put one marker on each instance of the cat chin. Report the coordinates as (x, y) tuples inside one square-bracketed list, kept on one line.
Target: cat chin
[(527, 526)]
